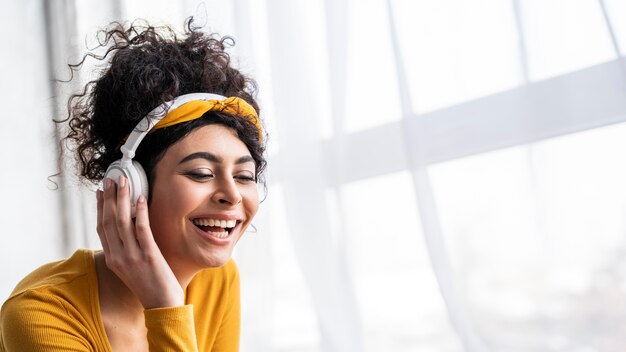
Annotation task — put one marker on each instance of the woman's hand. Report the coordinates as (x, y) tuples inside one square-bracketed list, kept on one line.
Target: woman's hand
[(130, 250)]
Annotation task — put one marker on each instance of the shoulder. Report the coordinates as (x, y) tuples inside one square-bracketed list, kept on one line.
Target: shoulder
[(216, 282), (214, 294), (39, 321), (79, 265), (229, 272), (44, 307), (230, 269), (30, 307), (53, 292)]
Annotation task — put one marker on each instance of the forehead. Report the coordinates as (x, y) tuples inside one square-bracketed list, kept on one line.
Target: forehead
[(215, 139)]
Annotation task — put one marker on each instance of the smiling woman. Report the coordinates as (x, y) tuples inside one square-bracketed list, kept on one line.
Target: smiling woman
[(172, 132)]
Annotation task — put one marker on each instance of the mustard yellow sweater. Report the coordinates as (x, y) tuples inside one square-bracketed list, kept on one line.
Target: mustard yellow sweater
[(56, 308)]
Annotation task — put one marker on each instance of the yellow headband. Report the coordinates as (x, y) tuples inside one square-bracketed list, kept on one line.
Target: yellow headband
[(196, 108)]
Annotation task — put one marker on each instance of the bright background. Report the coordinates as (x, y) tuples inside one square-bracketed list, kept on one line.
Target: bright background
[(445, 175)]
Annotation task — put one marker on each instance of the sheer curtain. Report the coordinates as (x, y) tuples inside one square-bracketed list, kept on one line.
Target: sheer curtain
[(444, 175)]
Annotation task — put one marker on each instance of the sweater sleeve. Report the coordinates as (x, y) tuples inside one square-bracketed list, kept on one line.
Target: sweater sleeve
[(38, 322), (171, 329)]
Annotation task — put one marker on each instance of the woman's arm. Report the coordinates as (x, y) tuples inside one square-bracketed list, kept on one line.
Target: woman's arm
[(171, 329)]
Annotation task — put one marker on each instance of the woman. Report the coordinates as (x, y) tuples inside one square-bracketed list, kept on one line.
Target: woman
[(174, 109)]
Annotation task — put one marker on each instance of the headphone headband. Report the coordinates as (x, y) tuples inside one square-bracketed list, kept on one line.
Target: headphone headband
[(157, 114)]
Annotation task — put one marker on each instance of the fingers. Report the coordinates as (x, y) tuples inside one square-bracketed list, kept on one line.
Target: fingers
[(109, 216), (118, 234), (99, 225), (142, 226), (124, 221)]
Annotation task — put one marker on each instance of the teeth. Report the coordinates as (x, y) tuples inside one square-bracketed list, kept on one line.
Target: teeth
[(215, 222), (219, 234)]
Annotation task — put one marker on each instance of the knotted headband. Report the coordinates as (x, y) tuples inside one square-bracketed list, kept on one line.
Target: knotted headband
[(196, 108)]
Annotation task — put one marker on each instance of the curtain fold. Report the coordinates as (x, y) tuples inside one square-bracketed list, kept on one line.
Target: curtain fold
[(297, 107)]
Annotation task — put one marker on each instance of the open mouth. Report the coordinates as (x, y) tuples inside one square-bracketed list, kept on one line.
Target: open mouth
[(214, 227)]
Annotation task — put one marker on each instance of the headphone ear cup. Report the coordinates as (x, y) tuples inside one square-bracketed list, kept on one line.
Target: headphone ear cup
[(143, 180), (115, 170), (137, 180), (138, 183)]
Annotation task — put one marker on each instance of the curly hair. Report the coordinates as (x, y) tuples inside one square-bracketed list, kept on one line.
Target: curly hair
[(145, 66)]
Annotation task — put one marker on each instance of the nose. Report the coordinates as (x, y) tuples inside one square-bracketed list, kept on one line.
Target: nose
[(227, 193)]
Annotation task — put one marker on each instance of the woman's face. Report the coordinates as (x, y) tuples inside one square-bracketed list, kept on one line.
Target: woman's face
[(204, 196)]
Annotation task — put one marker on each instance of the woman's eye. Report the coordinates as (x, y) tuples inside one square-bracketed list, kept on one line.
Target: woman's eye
[(245, 178), (201, 176)]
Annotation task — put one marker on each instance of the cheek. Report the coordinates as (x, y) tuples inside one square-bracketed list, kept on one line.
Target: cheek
[(171, 200), (251, 201)]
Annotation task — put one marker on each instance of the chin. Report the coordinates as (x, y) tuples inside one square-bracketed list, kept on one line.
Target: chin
[(217, 260)]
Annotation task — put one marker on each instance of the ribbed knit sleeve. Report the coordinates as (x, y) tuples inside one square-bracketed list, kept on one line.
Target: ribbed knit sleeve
[(38, 322), (171, 329)]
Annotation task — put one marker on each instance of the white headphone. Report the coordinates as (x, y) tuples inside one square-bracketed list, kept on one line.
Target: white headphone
[(132, 170)]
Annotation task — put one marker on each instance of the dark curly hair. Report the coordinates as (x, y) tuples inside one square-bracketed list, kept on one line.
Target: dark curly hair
[(145, 66)]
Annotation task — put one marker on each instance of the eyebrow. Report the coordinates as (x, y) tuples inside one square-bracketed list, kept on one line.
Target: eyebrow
[(214, 158)]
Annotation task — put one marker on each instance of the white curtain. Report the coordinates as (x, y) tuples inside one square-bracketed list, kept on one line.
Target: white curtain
[(444, 175)]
